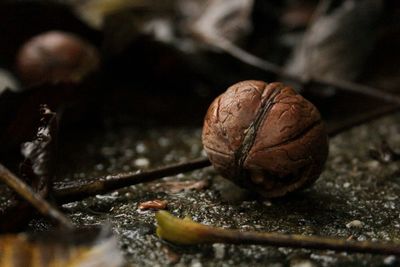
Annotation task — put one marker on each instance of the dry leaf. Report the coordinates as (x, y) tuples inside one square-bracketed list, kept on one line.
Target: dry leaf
[(186, 24), (39, 153), (156, 204), (338, 41), (94, 12), (19, 114), (37, 169), (85, 248)]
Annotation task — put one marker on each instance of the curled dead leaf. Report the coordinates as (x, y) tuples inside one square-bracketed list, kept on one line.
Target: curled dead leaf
[(156, 204), (37, 170)]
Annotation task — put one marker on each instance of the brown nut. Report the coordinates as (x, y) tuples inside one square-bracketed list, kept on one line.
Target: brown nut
[(265, 137), (55, 56)]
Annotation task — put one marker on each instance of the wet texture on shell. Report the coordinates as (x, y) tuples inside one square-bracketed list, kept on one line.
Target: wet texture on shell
[(265, 137)]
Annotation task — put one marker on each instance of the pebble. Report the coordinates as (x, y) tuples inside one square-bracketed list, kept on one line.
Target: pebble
[(372, 165), (267, 203), (219, 251), (141, 148), (390, 260), (164, 142), (355, 224), (99, 167), (141, 163), (196, 264), (302, 263)]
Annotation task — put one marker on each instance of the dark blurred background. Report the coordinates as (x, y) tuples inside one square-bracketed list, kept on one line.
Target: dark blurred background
[(162, 63)]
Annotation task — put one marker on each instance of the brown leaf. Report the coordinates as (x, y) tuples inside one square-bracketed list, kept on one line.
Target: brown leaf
[(337, 42), (19, 117), (39, 154), (37, 170), (84, 247), (181, 23), (156, 204)]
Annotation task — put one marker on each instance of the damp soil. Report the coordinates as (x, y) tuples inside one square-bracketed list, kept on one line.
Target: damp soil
[(352, 188)]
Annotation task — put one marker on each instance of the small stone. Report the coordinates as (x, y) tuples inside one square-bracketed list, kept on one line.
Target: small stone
[(196, 263), (373, 165), (219, 251), (390, 260), (141, 148), (267, 203), (355, 224), (346, 185), (362, 238), (302, 263), (99, 167), (164, 142), (141, 163)]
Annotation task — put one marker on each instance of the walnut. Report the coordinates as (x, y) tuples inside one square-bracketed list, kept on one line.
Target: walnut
[(265, 137)]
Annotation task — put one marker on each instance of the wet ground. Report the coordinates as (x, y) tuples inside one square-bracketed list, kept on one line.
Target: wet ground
[(356, 197)]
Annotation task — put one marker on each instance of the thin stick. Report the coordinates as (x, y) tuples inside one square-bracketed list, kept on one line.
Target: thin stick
[(34, 199), (267, 66), (188, 232), (109, 183)]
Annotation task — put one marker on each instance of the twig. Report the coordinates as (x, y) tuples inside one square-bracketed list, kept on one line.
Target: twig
[(188, 232), (34, 199), (267, 66), (112, 182)]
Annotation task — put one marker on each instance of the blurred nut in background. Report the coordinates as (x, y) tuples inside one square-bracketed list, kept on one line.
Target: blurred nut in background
[(54, 57), (265, 137)]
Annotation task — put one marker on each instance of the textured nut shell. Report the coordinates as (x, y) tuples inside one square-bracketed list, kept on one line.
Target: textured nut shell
[(288, 144)]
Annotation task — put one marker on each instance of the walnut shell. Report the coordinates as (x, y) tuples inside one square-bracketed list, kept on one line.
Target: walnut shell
[(56, 56), (265, 137)]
